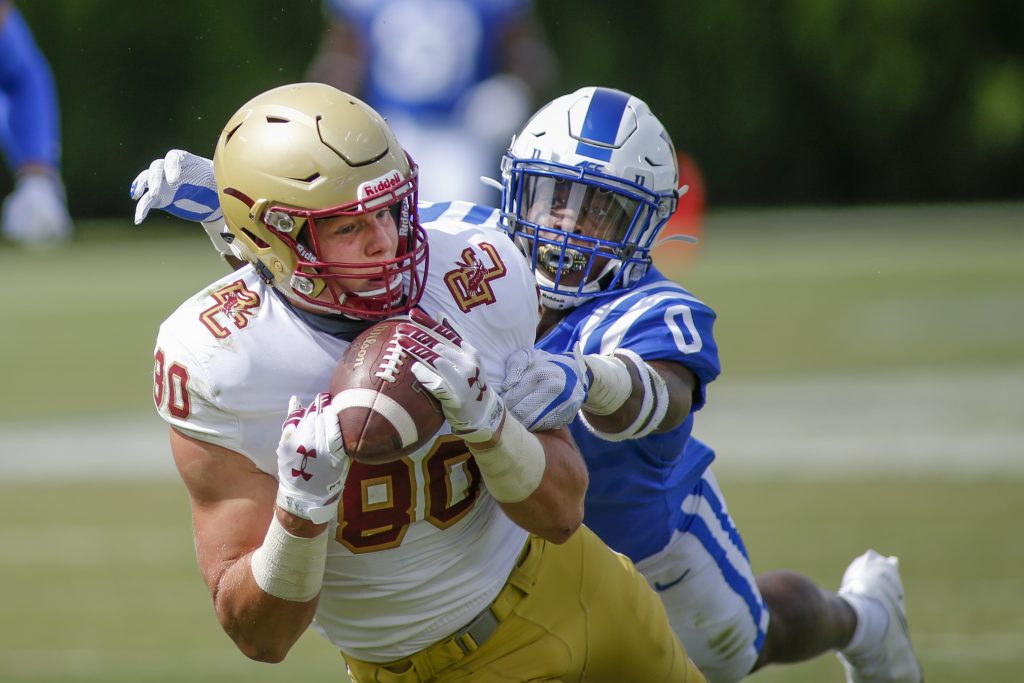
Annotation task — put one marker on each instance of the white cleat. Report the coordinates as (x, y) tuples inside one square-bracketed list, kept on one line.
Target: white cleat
[(877, 578)]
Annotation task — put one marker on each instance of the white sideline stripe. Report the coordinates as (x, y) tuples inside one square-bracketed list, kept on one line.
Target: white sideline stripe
[(926, 424), (387, 407), (956, 425)]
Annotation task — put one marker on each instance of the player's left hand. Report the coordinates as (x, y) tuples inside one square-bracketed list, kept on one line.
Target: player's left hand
[(182, 184), (544, 390), (451, 369)]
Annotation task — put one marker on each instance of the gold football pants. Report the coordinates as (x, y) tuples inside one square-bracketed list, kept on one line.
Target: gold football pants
[(570, 612)]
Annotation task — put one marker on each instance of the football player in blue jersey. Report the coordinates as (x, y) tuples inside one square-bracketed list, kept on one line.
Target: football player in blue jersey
[(454, 78), (35, 212), (587, 186)]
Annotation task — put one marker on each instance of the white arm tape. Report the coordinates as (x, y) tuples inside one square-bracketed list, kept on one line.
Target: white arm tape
[(514, 467), (652, 408), (290, 567), (611, 384), (214, 229)]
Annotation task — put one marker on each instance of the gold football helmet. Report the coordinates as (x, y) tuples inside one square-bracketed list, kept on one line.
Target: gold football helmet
[(304, 152)]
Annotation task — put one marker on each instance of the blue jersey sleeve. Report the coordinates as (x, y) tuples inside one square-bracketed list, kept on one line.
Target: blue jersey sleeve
[(658, 320), (31, 131)]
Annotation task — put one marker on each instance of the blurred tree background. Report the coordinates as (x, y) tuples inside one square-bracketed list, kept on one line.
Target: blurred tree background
[(781, 102)]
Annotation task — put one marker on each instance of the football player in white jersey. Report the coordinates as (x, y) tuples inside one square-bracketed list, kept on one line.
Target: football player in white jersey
[(587, 185), (464, 560)]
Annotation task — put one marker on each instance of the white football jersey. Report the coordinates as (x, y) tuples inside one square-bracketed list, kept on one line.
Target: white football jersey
[(419, 546)]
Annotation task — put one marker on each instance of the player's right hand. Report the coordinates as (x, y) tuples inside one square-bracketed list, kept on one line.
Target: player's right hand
[(311, 460), (182, 184)]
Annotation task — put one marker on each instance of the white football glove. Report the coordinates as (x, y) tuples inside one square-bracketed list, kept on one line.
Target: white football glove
[(181, 184), (36, 211), (544, 390), (451, 370), (311, 460)]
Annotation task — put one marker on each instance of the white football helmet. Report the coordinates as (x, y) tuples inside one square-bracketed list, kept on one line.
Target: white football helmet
[(306, 152), (586, 187)]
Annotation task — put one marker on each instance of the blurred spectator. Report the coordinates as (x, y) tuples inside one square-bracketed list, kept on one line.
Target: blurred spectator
[(454, 78), (35, 212)]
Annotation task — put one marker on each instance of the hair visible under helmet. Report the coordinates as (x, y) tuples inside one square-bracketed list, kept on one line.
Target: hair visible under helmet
[(587, 185), (307, 152)]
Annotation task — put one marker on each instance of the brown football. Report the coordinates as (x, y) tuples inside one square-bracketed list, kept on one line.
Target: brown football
[(386, 413)]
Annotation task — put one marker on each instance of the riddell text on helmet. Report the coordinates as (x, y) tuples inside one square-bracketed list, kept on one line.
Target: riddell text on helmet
[(372, 188)]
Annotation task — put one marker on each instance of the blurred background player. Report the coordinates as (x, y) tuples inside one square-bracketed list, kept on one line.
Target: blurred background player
[(588, 186), (454, 79), (35, 212)]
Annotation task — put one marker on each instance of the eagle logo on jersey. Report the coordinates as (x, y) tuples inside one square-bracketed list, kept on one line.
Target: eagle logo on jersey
[(236, 303), (470, 282)]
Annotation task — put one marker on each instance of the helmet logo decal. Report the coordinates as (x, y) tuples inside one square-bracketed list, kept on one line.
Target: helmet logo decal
[(469, 282), (235, 303), (379, 186)]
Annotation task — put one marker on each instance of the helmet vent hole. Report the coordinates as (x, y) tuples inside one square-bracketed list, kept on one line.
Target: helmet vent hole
[(277, 119), (255, 239), (231, 133)]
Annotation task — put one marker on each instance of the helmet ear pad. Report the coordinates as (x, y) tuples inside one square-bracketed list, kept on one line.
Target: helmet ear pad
[(596, 138), (304, 152)]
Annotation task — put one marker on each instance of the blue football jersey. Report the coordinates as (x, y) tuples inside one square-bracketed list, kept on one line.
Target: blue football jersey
[(637, 486)]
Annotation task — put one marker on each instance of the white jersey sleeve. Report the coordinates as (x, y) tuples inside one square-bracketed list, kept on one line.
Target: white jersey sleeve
[(227, 361)]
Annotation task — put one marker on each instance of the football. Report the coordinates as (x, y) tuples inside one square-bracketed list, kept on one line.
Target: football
[(385, 412)]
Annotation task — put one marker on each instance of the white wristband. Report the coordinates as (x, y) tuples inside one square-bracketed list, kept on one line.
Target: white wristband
[(653, 405), (290, 567), (514, 467)]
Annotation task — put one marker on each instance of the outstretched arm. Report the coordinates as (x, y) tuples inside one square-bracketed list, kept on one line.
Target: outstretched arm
[(183, 185), (630, 398), (621, 395)]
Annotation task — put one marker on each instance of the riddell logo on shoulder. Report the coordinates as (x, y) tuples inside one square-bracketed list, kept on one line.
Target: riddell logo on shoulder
[(381, 185)]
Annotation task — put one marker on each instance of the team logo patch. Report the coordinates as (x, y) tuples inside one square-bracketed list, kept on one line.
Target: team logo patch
[(235, 304), (470, 282)]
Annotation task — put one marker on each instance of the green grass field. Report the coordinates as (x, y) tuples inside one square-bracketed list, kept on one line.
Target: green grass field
[(99, 577)]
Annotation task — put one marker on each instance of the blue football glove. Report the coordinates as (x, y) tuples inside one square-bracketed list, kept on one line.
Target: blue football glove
[(544, 390), (181, 184)]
